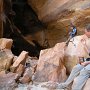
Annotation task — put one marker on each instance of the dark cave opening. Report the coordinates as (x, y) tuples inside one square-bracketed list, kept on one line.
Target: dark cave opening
[(20, 16)]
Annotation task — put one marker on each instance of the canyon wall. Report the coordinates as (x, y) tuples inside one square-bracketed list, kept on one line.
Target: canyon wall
[(59, 14)]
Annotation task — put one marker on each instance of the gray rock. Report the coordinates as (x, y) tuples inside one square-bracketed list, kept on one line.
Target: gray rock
[(8, 81), (6, 59)]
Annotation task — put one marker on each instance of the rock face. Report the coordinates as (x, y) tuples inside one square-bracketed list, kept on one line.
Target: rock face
[(14, 69), (46, 9), (58, 14), (50, 65)]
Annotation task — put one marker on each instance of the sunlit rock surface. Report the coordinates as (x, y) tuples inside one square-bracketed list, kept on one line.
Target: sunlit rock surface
[(58, 14), (74, 50), (6, 59), (50, 65), (51, 61)]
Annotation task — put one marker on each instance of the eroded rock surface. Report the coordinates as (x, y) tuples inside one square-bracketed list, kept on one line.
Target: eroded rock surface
[(58, 14), (75, 49), (50, 65)]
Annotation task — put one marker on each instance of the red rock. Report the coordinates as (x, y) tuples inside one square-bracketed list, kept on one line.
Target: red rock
[(73, 51), (50, 65), (58, 15), (6, 56), (20, 60)]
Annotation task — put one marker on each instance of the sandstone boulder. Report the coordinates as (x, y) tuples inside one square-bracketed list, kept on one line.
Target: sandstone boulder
[(74, 50), (6, 56), (50, 65), (6, 59), (20, 60), (51, 61)]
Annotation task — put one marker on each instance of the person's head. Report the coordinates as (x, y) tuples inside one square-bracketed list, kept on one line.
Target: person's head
[(87, 30)]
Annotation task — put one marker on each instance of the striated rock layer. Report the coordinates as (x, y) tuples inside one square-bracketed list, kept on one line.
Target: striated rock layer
[(58, 14)]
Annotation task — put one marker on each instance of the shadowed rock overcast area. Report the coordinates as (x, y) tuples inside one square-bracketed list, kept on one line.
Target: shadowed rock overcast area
[(32, 42)]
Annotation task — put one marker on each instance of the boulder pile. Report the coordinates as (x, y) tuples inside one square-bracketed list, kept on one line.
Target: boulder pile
[(14, 69), (54, 65)]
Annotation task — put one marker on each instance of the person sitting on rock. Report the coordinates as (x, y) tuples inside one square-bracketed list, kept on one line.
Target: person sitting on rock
[(80, 72), (72, 34)]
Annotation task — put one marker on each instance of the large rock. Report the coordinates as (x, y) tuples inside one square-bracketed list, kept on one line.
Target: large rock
[(6, 59), (6, 56), (20, 60), (50, 65), (5, 43), (74, 50)]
